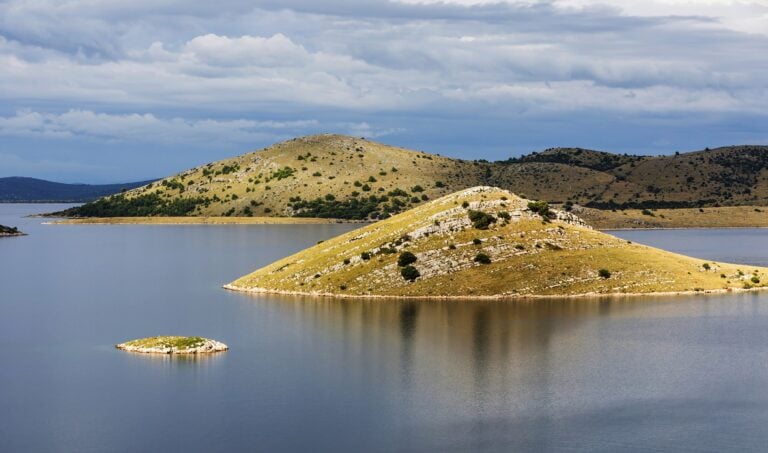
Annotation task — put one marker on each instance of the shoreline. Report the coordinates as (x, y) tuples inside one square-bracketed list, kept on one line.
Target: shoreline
[(208, 220), (531, 297)]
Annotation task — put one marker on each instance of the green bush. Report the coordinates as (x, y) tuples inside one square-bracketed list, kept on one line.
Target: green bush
[(755, 279), (410, 273), (365, 256), (481, 220), (541, 208), (604, 273), (482, 258), (477, 241), (405, 259)]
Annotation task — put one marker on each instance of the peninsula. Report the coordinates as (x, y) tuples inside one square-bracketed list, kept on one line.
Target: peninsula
[(485, 242)]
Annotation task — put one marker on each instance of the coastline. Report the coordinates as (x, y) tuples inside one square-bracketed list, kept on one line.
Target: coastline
[(531, 297), (208, 220)]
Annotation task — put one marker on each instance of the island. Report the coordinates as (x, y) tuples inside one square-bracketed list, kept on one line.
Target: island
[(10, 231), (336, 177), (173, 345), (485, 242)]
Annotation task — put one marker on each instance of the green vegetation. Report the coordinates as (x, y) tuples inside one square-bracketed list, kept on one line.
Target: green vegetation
[(406, 258), (604, 273), (410, 273), (140, 206), (482, 258), (481, 220)]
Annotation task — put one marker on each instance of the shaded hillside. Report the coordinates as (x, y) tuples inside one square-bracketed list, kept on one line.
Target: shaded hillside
[(333, 176), (16, 189), (487, 242)]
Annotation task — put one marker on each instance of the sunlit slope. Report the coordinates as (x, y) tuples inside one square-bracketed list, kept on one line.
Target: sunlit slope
[(485, 241), (316, 176)]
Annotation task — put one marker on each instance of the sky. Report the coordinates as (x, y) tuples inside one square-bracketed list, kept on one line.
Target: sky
[(101, 91)]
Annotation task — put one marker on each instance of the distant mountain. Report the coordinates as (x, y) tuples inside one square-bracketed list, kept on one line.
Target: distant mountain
[(16, 189), (336, 176)]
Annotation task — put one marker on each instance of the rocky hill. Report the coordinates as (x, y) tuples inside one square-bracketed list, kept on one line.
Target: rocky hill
[(487, 242), (335, 176)]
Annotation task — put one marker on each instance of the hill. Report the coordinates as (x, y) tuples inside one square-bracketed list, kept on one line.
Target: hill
[(9, 231), (335, 176), (16, 189), (487, 242)]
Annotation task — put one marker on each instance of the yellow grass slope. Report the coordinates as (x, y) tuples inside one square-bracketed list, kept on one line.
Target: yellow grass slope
[(264, 182), (529, 256)]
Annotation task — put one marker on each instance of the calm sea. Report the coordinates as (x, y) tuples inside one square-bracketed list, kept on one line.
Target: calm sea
[(652, 374)]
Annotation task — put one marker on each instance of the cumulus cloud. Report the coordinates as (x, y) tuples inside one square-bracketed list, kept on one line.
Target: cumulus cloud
[(373, 67)]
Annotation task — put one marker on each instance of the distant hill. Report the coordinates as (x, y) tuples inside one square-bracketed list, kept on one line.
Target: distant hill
[(17, 189), (353, 178), (487, 242)]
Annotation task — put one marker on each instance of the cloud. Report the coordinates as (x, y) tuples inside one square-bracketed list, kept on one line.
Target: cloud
[(219, 71), (148, 128)]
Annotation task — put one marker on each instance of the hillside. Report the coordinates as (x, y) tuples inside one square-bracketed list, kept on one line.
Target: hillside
[(9, 231), (17, 189), (487, 242), (333, 176)]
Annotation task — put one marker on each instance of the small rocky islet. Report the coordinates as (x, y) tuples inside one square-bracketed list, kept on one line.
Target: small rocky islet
[(173, 345), (6, 231)]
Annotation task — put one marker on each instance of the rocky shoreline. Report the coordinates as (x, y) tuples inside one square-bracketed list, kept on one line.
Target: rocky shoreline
[(173, 345)]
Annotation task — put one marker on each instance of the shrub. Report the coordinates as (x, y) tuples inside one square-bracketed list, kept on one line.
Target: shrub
[(405, 259), (477, 241), (465, 204), (541, 208), (365, 256), (417, 188), (755, 279), (481, 220), (410, 273), (439, 184), (520, 246), (452, 246), (647, 212), (706, 266), (482, 258), (346, 261), (604, 273)]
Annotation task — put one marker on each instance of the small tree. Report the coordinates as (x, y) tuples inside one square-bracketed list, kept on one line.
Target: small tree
[(405, 259), (410, 273)]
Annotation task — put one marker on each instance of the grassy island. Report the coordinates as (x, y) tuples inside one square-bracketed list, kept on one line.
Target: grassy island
[(485, 242), (173, 345)]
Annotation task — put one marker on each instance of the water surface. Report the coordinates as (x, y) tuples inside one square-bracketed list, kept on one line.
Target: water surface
[(686, 373)]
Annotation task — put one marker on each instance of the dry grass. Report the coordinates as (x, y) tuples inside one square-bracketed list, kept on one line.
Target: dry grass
[(529, 257)]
